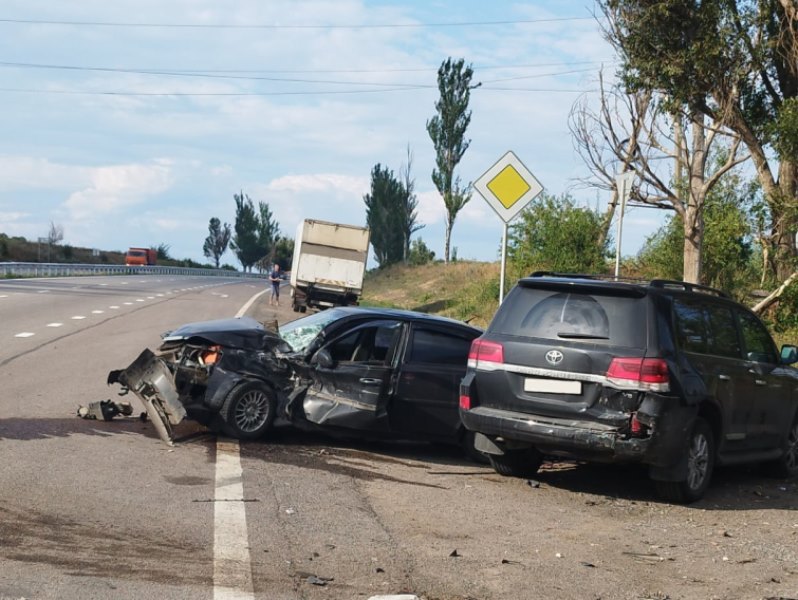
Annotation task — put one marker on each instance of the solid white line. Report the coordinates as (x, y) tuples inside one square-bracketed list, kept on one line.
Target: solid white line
[(232, 569), (24, 334), (243, 310), (54, 324)]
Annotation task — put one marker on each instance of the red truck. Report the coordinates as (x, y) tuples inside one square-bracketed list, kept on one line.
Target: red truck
[(141, 256)]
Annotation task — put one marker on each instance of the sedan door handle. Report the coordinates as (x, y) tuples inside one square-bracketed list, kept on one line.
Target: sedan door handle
[(370, 381)]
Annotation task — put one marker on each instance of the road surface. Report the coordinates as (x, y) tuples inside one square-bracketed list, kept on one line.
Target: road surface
[(93, 509)]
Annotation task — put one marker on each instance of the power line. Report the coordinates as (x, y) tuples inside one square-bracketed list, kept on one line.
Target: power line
[(312, 71), (289, 27), (204, 94), (236, 94), (171, 73)]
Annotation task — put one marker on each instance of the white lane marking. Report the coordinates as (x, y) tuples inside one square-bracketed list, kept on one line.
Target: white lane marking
[(159, 295), (114, 307), (128, 303), (243, 310), (43, 292), (78, 317), (4, 296), (24, 334), (123, 283), (54, 324), (232, 569), (97, 312), (224, 295), (139, 299), (150, 297), (102, 284)]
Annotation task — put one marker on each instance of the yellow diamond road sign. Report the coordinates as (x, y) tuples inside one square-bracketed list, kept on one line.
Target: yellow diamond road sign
[(508, 186)]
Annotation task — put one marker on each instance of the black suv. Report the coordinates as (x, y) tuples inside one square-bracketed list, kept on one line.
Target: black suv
[(676, 376)]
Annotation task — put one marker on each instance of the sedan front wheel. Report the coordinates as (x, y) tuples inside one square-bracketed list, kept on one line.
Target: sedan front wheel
[(248, 411)]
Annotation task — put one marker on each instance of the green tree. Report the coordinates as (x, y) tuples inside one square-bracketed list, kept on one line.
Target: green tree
[(247, 227), (162, 251), (419, 253), (284, 252), (268, 229), (735, 61), (447, 130), (218, 238), (408, 213), (553, 234), (384, 216), (727, 249)]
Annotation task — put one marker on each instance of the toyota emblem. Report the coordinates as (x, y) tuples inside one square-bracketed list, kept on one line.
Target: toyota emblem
[(554, 357)]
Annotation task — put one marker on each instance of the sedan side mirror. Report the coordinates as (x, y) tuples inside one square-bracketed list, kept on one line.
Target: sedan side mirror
[(789, 354), (322, 359)]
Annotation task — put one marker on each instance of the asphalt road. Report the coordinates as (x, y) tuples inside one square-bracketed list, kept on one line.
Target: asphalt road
[(92, 509)]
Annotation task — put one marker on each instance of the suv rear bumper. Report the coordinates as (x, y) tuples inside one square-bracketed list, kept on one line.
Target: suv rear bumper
[(591, 440)]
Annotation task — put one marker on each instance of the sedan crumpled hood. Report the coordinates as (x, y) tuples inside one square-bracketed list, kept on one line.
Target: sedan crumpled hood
[(244, 332)]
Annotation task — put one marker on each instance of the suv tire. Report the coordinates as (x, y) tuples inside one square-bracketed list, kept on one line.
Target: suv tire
[(787, 465), (517, 463), (700, 457)]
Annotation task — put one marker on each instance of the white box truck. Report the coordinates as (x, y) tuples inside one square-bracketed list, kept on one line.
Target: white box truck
[(328, 265)]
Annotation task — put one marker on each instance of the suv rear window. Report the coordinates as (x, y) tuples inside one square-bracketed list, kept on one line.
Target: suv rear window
[(567, 315)]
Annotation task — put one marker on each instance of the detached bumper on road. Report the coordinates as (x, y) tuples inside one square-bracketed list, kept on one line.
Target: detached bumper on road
[(150, 379)]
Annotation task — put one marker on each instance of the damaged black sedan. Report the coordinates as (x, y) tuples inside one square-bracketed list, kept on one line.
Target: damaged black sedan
[(389, 373)]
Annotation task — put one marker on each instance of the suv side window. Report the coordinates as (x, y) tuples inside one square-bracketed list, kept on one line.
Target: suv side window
[(691, 330), (723, 338), (758, 343)]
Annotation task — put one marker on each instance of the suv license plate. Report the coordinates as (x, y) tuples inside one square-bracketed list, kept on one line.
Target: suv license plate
[(552, 386)]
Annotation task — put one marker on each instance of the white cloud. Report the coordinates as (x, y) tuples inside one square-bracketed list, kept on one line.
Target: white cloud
[(321, 182), (117, 187)]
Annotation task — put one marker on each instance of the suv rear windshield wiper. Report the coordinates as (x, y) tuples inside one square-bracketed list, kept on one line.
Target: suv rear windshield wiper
[(580, 336)]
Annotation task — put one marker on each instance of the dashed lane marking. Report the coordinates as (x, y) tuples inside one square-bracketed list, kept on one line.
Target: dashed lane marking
[(97, 312), (139, 299), (54, 324), (25, 334), (114, 307), (78, 317)]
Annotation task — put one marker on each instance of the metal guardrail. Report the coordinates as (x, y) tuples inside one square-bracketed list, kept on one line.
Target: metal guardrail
[(20, 269)]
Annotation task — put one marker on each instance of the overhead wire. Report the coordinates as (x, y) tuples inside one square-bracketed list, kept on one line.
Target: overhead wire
[(276, 26)]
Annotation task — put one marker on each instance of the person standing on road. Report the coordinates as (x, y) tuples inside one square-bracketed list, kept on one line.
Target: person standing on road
[(275, 277)]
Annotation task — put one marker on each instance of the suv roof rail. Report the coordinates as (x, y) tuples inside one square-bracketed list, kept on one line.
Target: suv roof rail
[(688, 287), (563, 275), (593, 277)]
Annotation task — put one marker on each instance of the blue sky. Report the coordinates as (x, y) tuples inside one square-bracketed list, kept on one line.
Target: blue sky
[(295, 114)]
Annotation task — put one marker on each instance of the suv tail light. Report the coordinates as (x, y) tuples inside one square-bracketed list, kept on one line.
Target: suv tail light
[(485, 355), (646, 373)]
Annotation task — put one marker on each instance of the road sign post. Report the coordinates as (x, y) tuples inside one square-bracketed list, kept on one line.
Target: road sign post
[(508, 186), (623, 185)]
